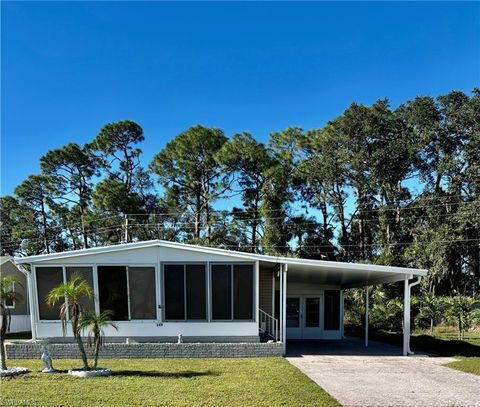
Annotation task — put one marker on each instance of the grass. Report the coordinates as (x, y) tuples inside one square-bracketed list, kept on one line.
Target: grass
[(168, 382), (469, 365)]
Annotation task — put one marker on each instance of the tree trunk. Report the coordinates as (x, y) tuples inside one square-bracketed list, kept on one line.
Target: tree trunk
[(254, 235), (197, 216), (361, 230), (96, 351), (4, 316), (3, 353), (83, 354), (207, 220), (84, 232), (431, 326), (44, 221)]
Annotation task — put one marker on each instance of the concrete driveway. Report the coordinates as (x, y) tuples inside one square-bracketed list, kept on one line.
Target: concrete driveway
[(379, 376)]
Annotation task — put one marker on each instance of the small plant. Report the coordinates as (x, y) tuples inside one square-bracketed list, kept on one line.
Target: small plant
[(464, 312), (388, 315), (96, 323), (71, 309), (431, 309), (7, 293)]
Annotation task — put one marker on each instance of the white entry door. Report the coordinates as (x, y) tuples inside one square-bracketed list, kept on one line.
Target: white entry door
[(304, 317), (294, 317), (312, 324)]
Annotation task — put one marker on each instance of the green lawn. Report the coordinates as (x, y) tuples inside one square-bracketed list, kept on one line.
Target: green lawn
[(168, 382), (469, 365)]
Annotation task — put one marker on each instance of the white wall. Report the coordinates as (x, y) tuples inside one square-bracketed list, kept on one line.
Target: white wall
[(20, 323), (49, 329), (152, 256)]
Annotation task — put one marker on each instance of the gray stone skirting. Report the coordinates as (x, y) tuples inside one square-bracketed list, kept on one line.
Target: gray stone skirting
[(150, 350)]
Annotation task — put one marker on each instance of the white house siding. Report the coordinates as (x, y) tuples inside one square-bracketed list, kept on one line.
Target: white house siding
[(20, 323), (20, 318), (266, 293), (152, 256)]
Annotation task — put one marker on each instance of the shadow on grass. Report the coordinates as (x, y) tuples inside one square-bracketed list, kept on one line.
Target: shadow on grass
[(168, 375), (444, 347), (425, 343)]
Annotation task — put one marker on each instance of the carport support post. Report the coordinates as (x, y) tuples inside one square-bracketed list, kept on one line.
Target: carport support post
[(406, 317), (366, 315), (284, 270)]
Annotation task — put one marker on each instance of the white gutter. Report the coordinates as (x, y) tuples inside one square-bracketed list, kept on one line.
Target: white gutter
[(406, 316), (28, 275)]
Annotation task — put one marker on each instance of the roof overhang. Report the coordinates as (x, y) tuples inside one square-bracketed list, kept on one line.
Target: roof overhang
[(345, 275)]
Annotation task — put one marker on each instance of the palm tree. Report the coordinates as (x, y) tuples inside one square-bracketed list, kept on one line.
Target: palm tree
[(431, 308), (7, 293), (388, 315), (464, 311), (71, 309), (95, 323)]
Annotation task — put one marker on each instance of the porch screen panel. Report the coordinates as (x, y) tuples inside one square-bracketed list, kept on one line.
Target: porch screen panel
[(143, 302), (174, 291), (48, 278), (196, 291), (85, 273), (332, 310), (243, 291), (221, 291), (112, 287)]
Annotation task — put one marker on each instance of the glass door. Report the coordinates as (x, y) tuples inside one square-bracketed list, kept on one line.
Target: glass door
[(312, 328), (294, 318)]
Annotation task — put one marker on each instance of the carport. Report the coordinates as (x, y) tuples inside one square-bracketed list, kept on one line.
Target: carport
[(301, 283)]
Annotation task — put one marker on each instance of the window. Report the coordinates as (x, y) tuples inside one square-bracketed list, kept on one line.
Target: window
[(242, 291), (312, 312), (9, 303), (196, 291), (232, 291), (221, 291), (112, 287), (129, 292), (141, 285), (86, 273), (332, 310), (48, 278), (184, 292)]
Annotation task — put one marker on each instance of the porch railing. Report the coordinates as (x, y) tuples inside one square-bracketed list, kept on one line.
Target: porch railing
[(268, 324)]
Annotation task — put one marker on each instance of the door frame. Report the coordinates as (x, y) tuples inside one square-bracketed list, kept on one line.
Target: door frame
[(302, 331)]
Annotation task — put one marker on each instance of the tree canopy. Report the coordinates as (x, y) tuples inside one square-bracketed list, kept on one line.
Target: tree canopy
[(380, 184)]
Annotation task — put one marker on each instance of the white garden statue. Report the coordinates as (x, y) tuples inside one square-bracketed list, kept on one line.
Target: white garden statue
[(47, 358)]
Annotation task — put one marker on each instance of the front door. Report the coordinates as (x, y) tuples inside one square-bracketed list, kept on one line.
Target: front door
[(304, 317), (311, 327), (294, 318)]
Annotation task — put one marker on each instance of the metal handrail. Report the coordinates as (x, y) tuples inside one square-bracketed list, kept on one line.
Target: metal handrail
[(268, 324)]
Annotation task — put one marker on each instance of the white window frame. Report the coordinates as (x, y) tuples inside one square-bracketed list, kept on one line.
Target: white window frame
[(232, 299), (184, 264), (96, 297), (127, 266), (13, 301)]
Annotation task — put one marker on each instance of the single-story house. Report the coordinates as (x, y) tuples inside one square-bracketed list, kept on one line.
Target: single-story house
[(158, 290), (19, 310)]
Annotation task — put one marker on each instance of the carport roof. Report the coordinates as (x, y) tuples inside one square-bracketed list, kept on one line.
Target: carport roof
[(346, 275)]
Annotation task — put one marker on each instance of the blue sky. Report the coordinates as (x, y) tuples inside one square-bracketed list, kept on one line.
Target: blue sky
[(69, 68)]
